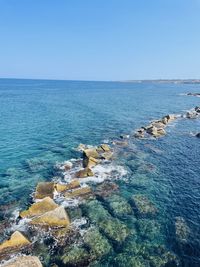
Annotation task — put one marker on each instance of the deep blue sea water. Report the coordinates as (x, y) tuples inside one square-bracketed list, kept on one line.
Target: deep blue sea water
[(41, 122)]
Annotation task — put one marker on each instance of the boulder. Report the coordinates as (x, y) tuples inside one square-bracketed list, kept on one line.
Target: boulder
[(81, 147), (156, 132), (143, 205), (139, 133), (164, 120), (64, 187), (90, 162), (16, 242), (194, 94), (198, 135), (91, 152), (44, 189), (56, 218), (24, 261), (84, 173), (161, 131), (170, 117), (105, 147), (197, 109), (192, 114), (159, 124), (107, 155), (81, 192), (39, 208)]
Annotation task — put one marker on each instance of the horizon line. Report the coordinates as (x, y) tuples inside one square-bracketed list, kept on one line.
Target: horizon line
[(126, 80)]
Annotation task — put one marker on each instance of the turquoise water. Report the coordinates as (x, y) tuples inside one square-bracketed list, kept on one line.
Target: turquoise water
[(41, 122)]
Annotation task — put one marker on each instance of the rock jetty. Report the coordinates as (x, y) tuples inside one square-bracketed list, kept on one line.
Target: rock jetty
[(155, 128)]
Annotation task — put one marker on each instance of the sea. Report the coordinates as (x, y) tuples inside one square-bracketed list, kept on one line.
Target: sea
[(42, 122)]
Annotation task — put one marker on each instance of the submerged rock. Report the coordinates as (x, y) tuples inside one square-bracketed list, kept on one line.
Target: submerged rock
[(84, 173), (56, 218), (81, 192), (39, 208), (95, 211), (149, 229), (44, 189), (114, 229), (118, 205), (143, 205), (16, 242), (64, 187), (120, 143), (182, 229), (105, 189), (24, 261), (75, 256), (126, 260), (166, 259), (98, 244)]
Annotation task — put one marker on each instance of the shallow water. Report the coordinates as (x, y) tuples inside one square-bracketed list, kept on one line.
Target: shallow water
[(41, 122)]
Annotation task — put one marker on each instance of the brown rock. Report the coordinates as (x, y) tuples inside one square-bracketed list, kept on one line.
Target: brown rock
[(169, 117), (84, 191), (84, 173), (105, 147), (39, 208), (55, 218), (159, 124), (91, 152), (105, 189), (107, 155), (24, 261), (44, 189), (15, 243), (90, 162), (64, 187)]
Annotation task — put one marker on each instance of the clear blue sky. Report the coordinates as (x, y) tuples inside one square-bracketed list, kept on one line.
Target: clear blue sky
[(100, 39)]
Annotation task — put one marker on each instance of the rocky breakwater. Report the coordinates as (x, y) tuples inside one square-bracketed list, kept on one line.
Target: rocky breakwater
[(156, 128), (193, 113), (194, 94), (48, 217)]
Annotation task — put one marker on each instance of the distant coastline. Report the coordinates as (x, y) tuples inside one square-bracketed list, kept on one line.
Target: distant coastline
[(159, 81), (173, 81)]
